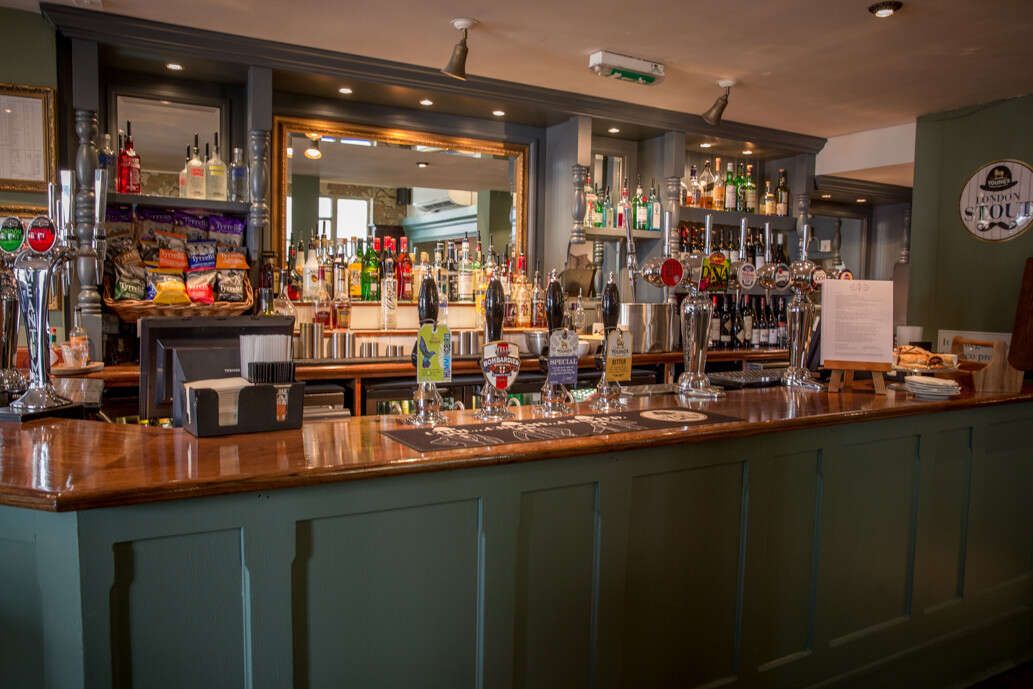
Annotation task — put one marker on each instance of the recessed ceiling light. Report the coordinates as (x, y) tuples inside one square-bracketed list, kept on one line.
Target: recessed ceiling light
[(614, 130), (173, 66), (747, 152), (861, 200), (705, 145), (826, 196), (7, 111), (426, 102), (290, 151), (498, 113), (344, 91), (423, 163), (328, 139), (885, 9), (313, 152)]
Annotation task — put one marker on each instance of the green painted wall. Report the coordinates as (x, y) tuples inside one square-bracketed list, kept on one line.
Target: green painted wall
[(304, 207), (29, 37), (958, 281)]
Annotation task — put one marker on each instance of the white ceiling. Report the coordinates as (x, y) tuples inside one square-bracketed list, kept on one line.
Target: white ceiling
[(823, 67)]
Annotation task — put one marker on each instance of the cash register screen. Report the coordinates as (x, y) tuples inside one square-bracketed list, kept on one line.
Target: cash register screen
[(161, 337)]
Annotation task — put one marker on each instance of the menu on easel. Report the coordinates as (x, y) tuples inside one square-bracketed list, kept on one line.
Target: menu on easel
[(856, 322)]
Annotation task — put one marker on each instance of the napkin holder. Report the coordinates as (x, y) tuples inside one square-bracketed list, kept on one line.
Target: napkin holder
[(260, 408)]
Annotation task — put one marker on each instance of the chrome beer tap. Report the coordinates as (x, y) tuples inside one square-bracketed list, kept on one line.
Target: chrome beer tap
[(556, 400), (696, 311), (771, 275), (500, 360), (804, 278), (48, 249), (426, 399), (742, 275), (12, 235), (608, 393)]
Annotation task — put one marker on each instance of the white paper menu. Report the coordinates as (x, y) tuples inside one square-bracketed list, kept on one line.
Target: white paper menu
[(22, 139), (857, 321)]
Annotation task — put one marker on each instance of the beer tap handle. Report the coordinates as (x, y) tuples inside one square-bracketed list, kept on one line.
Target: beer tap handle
[(426, 307), (708, 233), (806, 241), (610, 304), (554, 303), (767, 242), (100, 202), (494, 310), (743, 229), (66, 227)]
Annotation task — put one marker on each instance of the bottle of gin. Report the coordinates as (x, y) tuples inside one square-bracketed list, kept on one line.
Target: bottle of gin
[(195, 174), (238, 183), (107, 160), (656, 209), (215, 173)]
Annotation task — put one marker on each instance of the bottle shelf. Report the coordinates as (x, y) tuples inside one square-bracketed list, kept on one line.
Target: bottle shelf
[(732, 218), (611, 233), (177, 202)]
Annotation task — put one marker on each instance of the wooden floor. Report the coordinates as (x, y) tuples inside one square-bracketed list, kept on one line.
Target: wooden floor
[(1016, 678)]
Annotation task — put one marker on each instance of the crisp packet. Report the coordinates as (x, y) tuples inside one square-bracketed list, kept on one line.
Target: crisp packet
[(195, 227), (231, 258), (201, 286), (226, 230), (200, 255)]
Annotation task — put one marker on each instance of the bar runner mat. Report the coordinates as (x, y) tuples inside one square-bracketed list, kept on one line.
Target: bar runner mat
[(529, 430)]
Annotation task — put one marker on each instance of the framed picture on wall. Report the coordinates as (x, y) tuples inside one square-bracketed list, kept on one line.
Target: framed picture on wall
[(28, 146)]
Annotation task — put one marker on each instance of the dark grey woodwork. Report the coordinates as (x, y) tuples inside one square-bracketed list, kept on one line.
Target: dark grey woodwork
[(875, 192), (259, 98), (259, 234), (162, 38)]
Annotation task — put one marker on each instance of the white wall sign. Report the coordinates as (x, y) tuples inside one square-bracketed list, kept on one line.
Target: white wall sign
[(997, 201)]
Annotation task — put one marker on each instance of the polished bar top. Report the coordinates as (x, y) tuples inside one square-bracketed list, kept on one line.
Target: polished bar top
[(60, 464)]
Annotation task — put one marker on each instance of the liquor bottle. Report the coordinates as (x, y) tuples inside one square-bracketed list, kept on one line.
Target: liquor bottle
[(733, 249), (783, 337), (388, 288), (464, 281), (371, 271), (750, 186), (184, 175), (656, 209), (782, 194), (340, 271), (642, 211), (107, 159), (310, 273), (738, 327), (590, 198), (128, 165), (715, 325), (195, 174), (773, 339), (624, 210), (727, 318), (599, 209), (215, 173), (452, 272), (769, 199), (706, 183), (538, 302), (749, 252), (731, 190), (283, 303), (758, 260), (740, 189), (718, 196), (609, 211), (747, 322), (780, 255), (403, 271), (322, 308), (522, 294), (355, 270), (695, 190), (388, 261), (760, 326), (238, 185)]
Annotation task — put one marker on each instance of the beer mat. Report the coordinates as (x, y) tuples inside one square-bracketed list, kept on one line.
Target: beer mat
[(530, 430)]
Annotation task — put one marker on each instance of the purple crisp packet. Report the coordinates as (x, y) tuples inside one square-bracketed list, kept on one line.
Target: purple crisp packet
[(226, 230)]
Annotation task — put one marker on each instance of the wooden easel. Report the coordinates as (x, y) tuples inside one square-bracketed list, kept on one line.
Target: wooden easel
[(843, 374)]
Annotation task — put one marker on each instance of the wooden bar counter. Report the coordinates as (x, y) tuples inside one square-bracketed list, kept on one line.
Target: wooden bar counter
[(836, 540)]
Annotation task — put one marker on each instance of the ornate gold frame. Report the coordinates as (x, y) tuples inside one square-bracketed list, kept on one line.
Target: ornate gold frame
[(21, 210), (284, 127), (45, 94)]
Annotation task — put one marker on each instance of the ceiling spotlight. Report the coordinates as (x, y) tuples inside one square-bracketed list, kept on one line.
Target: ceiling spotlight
[(173, 66), (344, 91), (498, 113), (747, 152), (313, 152), (456, 67), (826, 196), (885, 9), (614, 130), (861, 200), (422, 164), (426, 102), (713, 115), (706, 144)]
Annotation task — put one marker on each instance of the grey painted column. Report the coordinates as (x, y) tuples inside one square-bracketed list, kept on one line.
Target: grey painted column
[(87, 271), (260, 124)]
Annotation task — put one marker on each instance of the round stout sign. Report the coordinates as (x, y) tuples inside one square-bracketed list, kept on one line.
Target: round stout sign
[(997, 201), (41, 236), (11, 235)]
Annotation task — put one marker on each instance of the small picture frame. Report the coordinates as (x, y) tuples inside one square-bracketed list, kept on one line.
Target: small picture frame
[(28, 143)]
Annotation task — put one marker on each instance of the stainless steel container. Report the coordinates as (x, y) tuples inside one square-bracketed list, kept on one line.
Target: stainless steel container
[(341, 345), (311, 341), (395, 351), (651, 326), (369, 349), (466, 343), (536, 341)]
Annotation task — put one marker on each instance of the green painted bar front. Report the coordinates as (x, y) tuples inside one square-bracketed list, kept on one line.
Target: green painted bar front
[(889, 553)]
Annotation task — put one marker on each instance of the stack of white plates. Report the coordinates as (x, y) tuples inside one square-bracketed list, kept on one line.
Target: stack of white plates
[(929, 388)]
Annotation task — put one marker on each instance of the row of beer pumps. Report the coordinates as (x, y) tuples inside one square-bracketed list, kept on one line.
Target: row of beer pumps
[(33, 257)]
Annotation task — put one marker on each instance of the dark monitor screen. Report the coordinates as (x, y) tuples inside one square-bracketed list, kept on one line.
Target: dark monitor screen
[(160, 337)]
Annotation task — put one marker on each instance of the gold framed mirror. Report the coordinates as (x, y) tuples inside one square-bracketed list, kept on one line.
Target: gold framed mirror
[(343, 180)]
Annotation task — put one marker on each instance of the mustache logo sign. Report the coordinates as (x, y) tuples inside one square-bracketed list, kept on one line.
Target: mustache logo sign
[(996, 203)]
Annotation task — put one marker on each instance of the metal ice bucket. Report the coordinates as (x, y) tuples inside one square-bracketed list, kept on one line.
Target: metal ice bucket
[(652, 327)]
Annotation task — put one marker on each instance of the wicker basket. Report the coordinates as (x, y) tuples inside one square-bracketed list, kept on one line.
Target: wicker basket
[(131, 310)]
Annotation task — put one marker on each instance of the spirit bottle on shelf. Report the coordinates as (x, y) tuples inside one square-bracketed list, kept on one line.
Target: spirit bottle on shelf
[(769, 205), (740, 190), (238, 183), (718, 195), (656, 208), (522, 294), (624, 210), (403, 271), (750, 193), (695, 190), (107, 159), (355, 270), (731, 191), (452, 272), (387, 265), (184, 175), (340, 274), (371, 271), (128, 165), (706, 183), (782, 194), (195, 174), (310, 273), (215, 173), (642, 209), (465, 276), (591, 196), (538, 302), (388, 290)]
